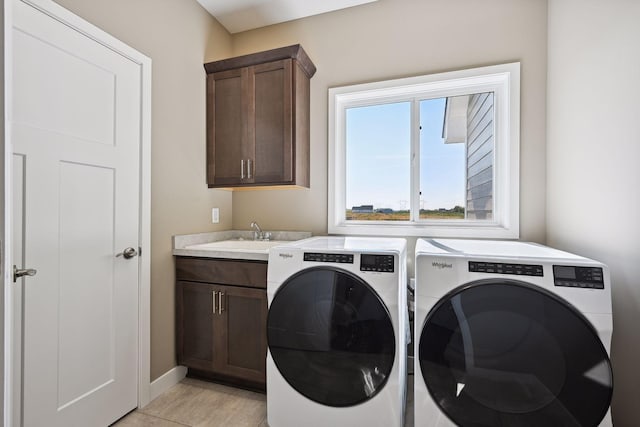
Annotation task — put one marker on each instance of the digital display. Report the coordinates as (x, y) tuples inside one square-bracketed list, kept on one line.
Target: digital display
[(379, 263), (563, 272), (368, 260)]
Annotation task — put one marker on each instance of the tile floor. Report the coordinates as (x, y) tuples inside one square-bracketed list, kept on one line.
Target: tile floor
[(195, 403)]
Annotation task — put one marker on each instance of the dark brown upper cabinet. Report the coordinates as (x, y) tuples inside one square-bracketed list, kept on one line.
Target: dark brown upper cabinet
[(258, 119)]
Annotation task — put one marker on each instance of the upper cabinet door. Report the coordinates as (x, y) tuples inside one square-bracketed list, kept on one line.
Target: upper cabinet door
[(271, 122), (226, 107)]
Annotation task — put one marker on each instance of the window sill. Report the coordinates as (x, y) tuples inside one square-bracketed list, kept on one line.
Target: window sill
[(475, 231)]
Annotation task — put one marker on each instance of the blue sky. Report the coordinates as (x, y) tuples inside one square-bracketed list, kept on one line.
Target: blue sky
[(378, 157)]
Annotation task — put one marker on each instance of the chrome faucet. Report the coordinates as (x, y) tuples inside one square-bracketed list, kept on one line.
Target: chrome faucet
[(258, 234)]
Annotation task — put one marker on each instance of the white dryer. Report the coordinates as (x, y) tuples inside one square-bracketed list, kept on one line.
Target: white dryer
[(510, 334), (336, 333)]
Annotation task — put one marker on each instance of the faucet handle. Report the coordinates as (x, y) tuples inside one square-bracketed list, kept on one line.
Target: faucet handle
[(257, 233)]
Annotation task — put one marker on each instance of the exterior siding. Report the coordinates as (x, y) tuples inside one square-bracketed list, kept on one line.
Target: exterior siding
[(480, 143)]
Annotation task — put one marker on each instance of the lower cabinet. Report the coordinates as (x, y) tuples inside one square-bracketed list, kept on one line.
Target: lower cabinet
[(221, 315)]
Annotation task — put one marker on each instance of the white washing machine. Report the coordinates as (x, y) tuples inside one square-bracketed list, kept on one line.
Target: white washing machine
[(510, 334), (336, 333)]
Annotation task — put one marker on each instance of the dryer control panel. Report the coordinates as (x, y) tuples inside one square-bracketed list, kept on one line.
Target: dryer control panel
[(381, 263), (578, 277)]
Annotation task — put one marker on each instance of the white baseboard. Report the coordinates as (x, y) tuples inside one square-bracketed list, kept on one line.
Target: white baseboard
[(166, 381)]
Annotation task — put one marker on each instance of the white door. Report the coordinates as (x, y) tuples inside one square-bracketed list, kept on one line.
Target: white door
[(76, 130)]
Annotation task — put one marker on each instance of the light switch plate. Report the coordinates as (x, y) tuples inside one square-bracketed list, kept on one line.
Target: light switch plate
[(215, 215)]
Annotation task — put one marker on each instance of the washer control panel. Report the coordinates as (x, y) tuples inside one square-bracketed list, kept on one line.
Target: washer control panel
[(578, 277), (381, 263), (331, 258), (506, 268), (368, 262)]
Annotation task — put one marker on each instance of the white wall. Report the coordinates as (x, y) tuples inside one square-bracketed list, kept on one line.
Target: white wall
[(593, 155)]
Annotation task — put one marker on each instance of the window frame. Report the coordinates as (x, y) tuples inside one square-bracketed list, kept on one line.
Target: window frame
[(503, 80)]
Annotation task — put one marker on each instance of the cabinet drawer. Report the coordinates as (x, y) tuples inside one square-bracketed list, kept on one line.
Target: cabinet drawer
[(225, 272)]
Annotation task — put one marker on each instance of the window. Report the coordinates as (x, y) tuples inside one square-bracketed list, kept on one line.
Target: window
[(434, 155)]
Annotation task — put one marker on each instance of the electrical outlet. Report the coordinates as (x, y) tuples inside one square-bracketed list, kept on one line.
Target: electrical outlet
[(215, 215)]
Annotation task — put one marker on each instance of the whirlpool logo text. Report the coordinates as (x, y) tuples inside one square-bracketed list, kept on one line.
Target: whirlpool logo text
[(441, 265)]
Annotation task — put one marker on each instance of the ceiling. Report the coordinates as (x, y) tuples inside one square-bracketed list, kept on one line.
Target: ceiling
[(242, 15)]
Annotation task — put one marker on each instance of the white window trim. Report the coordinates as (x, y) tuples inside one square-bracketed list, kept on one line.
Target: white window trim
[(504, 81)]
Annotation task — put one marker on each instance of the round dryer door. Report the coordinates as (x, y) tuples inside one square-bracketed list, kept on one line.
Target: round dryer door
[(331, 337), (507, 353)]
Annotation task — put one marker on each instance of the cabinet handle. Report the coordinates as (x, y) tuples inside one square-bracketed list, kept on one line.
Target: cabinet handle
[(249, 168), (214, 302), (242, 169), (220, 301)]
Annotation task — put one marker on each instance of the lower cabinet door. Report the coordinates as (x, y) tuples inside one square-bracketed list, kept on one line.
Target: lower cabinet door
[(241, 338), (196, 305)]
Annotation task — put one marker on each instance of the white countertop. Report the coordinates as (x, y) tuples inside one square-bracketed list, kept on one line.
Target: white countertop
[(232, 244)]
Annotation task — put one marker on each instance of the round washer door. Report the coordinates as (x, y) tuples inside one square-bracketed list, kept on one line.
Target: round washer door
[(508, 353), (331, 337)]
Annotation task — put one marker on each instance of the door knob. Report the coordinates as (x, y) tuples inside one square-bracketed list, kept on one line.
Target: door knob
[(128, 253), (18, 272)]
